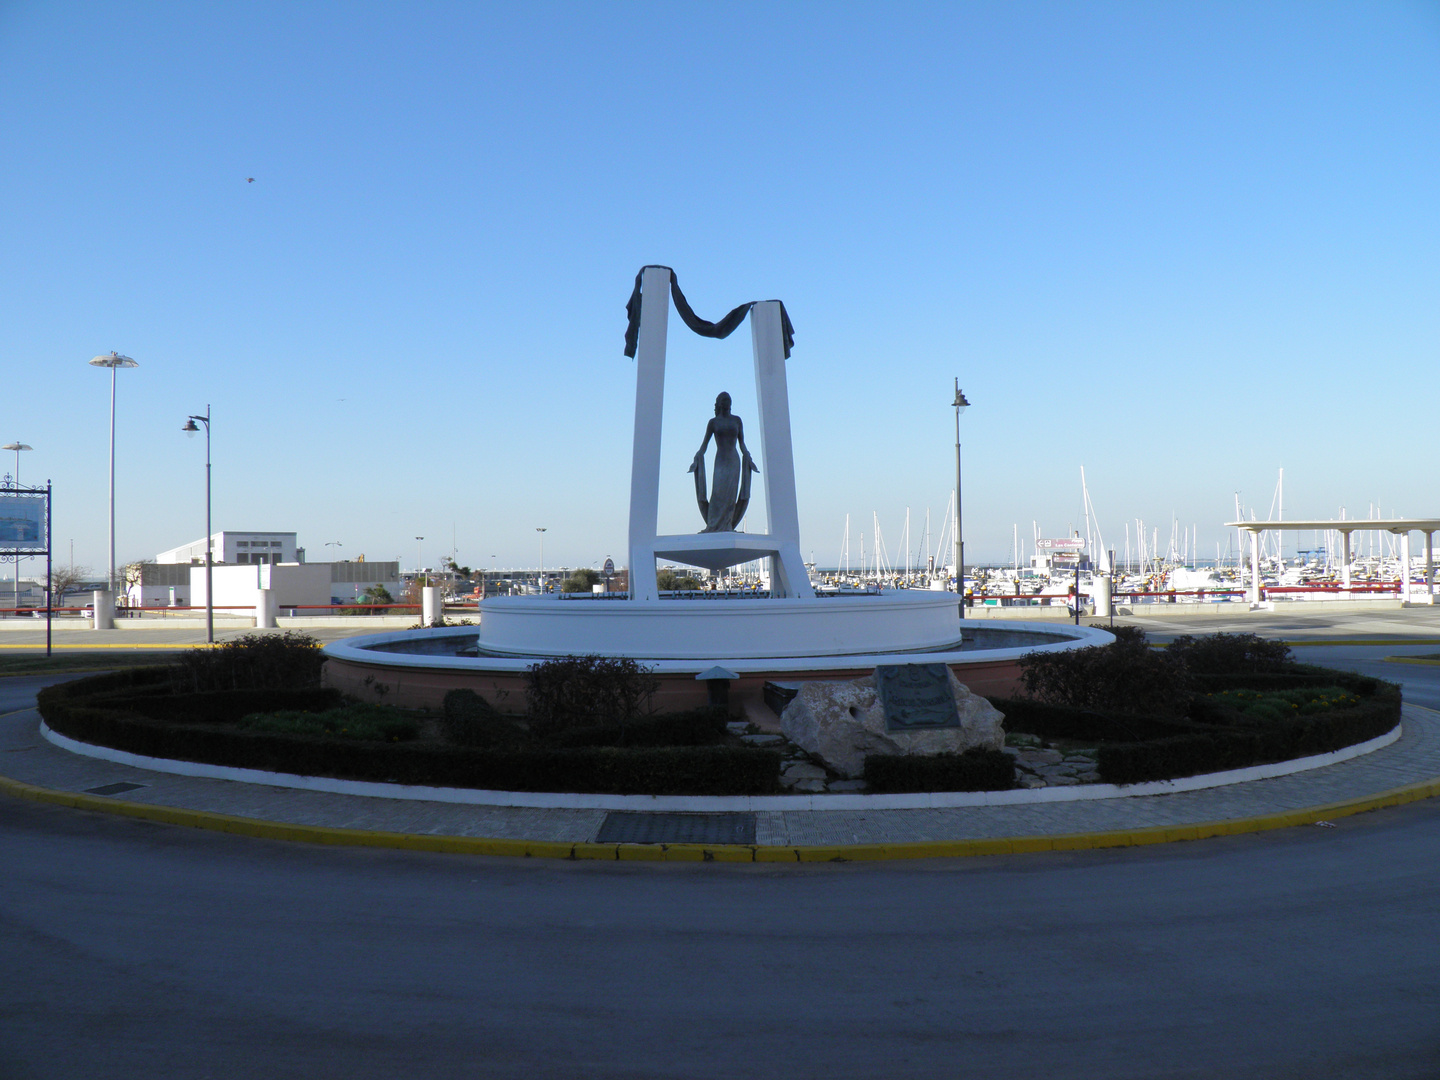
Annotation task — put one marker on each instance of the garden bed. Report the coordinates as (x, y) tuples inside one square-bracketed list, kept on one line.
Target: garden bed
[(1120, 714), (308, 730)]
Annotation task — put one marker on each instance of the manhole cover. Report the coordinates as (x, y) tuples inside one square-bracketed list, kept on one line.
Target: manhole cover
[(625, 827), (112, 789)]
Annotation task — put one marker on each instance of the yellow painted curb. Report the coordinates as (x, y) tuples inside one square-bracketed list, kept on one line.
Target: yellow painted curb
[(1365, 641), (936, 849), (176, 646)]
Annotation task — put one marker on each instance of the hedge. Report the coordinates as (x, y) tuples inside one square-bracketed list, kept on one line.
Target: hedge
[(1300, 675), (1215, 748), (1084, 725), (1211, 737), (703, 726), (115, 720), (974, 770)]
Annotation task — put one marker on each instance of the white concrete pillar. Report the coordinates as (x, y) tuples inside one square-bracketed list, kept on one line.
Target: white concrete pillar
[(1405, 566), (649, 410), (788, 576), (104, 605), (1429, 564), (1254, 566), (1345, 560), (266, 609), (1104, 606), (1430, 559), (432, 604)]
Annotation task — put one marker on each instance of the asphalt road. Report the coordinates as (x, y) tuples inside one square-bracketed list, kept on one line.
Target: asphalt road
[(133, 949)]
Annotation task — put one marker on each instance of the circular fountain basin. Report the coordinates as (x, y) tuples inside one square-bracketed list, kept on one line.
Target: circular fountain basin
[(720, 628), (758, 640)]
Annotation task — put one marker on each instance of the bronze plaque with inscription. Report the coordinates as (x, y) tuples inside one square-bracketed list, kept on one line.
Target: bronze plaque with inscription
[(916, 697)]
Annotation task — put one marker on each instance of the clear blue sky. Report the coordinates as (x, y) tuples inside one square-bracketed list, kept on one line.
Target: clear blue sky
[(1182, 245)]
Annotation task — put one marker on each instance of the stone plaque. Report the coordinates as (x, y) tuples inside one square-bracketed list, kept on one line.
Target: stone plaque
[(916, 697)]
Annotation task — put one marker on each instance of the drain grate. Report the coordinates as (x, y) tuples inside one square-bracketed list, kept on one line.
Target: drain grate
[(627, 827), (112, 789)]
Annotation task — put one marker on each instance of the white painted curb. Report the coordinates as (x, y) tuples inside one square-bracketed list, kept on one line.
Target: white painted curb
[(716, 803)]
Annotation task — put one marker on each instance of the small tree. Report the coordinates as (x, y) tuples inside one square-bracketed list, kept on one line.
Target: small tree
[(586, 691), (64, 579), (375, 594), (669, 579), (582, 580), (1221, 654), (1127, 676)]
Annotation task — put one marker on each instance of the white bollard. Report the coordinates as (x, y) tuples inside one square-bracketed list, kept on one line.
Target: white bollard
[(265, 609), (432, 604), (104, 605), (1104, 607)]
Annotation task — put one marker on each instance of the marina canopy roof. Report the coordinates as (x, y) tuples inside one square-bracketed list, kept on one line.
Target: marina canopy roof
[(1403, 527), (1347, 525)]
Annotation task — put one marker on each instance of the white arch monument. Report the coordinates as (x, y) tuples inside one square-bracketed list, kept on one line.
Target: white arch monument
[(717, 550)]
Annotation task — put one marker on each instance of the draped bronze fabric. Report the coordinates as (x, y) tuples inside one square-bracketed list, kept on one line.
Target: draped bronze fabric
[(722, 329)]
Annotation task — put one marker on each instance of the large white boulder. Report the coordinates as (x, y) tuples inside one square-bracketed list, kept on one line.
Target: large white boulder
[(841, 722)]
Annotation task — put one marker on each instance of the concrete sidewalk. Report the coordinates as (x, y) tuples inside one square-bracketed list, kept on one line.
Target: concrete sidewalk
[(1407, 769)]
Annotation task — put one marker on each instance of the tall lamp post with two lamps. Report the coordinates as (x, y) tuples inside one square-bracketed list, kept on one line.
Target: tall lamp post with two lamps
[(190, 429), (961, 404), (113, 362)]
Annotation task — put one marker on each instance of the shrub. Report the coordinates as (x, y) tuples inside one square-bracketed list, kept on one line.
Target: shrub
[(252, 662), (222, 706), (1084, 725), (1214, 749), (469, 720), (380, 723), (1229, 654), (670, 770), (581, 581), (974, 770), (588, 691), (1280, 705), (702, 726), (669, 579), (1127, 676)]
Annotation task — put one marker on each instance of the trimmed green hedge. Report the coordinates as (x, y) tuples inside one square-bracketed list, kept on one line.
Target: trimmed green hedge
[(1212, 737), (115, 716), (1242, 742), (703, 726), (1084, 725), (974, 770), (1299, 675)]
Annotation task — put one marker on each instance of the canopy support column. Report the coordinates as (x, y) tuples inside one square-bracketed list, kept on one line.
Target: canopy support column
[(1405, 567), (1254, 566)]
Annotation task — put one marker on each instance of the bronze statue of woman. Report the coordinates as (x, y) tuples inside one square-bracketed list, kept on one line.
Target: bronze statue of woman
[(730, 488)]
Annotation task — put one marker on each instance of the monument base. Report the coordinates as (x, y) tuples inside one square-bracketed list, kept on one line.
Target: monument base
[(720, 629)]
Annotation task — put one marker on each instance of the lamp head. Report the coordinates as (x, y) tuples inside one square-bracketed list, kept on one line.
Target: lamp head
[(190, 429), (961, 402), (113, 360), (17, 446)]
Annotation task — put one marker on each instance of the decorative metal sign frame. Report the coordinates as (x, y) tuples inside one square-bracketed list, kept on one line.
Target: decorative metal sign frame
[(25, 533)]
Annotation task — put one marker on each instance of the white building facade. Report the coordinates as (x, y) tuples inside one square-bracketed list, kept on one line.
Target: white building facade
[(243, 548)]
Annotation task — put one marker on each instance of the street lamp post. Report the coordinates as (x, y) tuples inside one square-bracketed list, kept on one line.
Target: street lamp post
[(418, 560), (113, 361), (17, 446), (542, 559), (960, 404), (190, 429)]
